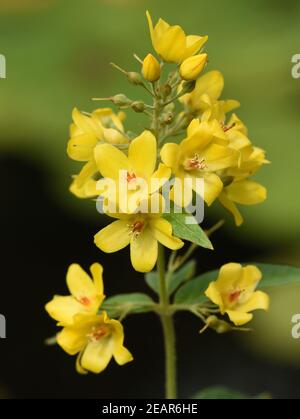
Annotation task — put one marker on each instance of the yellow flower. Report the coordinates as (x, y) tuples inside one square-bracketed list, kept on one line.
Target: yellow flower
[(96, 339), (243, 192), (205, 97), (239, 189), (142, 232), (234, 292), (202, 154), (103, 125), (171, 43), (151, 68), (191, 68), (141, 177), (86, 295)]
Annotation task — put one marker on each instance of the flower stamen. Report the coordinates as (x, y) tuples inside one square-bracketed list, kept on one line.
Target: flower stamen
[(97, 333), (195, 163)]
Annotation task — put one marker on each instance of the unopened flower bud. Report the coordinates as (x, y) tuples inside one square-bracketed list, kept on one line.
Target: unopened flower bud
[(135, 78), (168, 118), (151, 68), (191, 68), (138, 106), (220, 326), (187, 87), (121, 100)]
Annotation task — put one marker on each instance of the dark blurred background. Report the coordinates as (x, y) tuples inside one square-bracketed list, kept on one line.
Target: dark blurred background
[(57, 57)]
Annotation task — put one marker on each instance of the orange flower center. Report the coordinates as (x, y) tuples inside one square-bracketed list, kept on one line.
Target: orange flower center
[(137, 227), (84, 300), (131, 180), (97, 333), (234, 296), (195, 163)]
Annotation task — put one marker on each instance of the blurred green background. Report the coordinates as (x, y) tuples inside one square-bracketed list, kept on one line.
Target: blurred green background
[(58, 55)]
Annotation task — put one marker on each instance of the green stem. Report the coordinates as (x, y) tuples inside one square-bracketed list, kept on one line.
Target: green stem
[(166, 317)]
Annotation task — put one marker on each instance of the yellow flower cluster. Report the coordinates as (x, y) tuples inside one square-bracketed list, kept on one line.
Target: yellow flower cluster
[(94, 337), (204, 141)]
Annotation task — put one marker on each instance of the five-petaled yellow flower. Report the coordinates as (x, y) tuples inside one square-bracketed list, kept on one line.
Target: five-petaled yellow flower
[(142, 231), (171, 43), (86, 295), (205, 97), (203, 154), (101, 126), (140, 176), (96, 339), (234, 292)]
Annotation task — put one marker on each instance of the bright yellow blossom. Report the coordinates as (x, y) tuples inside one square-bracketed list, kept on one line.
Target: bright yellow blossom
[(234, 292), (191, 68), (205, 97), (151, 68), (86, 295), (203, 154), (142, 232), (96, 339), (102, 126), (141, 177), (238, 188), (171, 43)]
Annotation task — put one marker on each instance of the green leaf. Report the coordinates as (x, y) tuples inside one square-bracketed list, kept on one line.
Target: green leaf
[(223, 393), (278, 275), (182, 275), (152, 280), (193, 291), (124, 304), (273, 275), (190, 232)]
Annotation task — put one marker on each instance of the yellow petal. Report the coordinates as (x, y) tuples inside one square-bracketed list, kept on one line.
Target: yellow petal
[(86, 124), (97, 271), (214, 295), (72, 339), (142, 154), (212, 83), (114, 237), (231, 207), (63, 309), (229, 277), (81, 285), (238, 318), (97, 355), (88, 170), (87, 190), (250, 278), (182, 192), (193, 44), (169, 155), (159, 178), (110, 161), (171, 44), (80, 148), (259, 301), (246, 192), (218, 157), (162, 231), (212, 187), (143, 251), (120, 353), (79, 368)]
